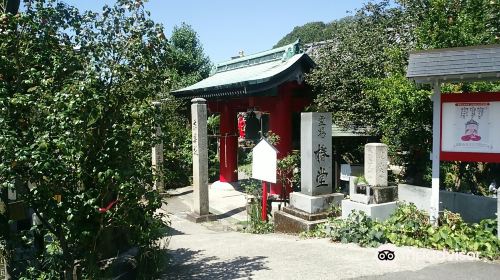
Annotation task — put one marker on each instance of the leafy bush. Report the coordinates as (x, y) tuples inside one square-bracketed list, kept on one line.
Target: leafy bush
[(213, 158), (255, 223), (253, 189), (357, 228), (76, 122), (408, 226)]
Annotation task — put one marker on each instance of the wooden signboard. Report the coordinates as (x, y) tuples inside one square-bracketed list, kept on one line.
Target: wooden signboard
[(264, 159)]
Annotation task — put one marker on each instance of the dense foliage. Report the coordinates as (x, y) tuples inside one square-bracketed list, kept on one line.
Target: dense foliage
[(361, 74), (308, 33), (409, 226), (77, 127), (255, 224), (187, 64)]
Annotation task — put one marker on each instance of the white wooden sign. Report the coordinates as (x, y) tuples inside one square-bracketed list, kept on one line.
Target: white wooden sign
[(264, 159)]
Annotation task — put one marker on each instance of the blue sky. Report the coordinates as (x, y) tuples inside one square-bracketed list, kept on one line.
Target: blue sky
[(228, 26)]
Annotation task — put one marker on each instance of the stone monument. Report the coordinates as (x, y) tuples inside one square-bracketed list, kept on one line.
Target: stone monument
[(308, 207), (372, 194), (200, 209), (157, 155)]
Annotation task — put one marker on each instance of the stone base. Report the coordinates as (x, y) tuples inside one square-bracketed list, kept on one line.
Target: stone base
[(288, 223), (314, 204), (218, 185), (385, 194), (361, 198), (378, 212), (304, 215), (196, 218)]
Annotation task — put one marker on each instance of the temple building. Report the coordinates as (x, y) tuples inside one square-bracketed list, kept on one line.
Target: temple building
[(269, 86)]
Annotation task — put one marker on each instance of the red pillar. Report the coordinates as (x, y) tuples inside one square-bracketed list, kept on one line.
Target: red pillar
[(264, 202), (281, 125), (228, 150)]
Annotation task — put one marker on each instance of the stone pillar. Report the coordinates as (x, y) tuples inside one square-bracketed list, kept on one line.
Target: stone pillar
[(157, 155), (308, 208), (376, 164), (315, 165), (316, 153), (200, 161)]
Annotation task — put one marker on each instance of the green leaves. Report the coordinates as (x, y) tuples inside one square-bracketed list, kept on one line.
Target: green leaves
[(360, 73), (408, 226), (76, 122)]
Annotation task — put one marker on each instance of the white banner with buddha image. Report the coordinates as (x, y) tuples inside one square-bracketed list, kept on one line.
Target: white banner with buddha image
[(472, 127)]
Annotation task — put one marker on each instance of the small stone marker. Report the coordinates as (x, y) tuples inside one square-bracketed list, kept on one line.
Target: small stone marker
[(200, 162), (376, 198), (157, 154), (376, 164), (316, 153)]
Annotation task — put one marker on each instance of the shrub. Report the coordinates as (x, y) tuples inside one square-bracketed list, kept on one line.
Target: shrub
[(76, 123), (253, 188), (408, 226), (356, 228)]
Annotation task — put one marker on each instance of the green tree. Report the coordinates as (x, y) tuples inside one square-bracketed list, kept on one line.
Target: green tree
[(458, 23), (361, 48), (453, 23), (76, 120), (360, 75), (307, 33), (188, 62), (407, 128), (6, 7)]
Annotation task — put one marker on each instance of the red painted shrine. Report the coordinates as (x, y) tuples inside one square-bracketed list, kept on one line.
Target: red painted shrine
[(270, 82)]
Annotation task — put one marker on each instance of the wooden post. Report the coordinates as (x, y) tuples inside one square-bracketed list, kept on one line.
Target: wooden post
[(228, 152), (264, 201), (436, 149)]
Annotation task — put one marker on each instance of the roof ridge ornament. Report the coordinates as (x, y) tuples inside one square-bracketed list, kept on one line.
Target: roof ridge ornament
[(291, 50), (283, 53)]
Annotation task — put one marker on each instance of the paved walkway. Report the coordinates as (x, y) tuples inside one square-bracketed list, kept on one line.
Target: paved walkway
[(214, 251)]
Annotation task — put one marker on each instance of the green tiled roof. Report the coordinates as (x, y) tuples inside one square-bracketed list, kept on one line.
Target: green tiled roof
[(251, 75)]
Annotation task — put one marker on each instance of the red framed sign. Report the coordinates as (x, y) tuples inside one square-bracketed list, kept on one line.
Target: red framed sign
[(470, 127)]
